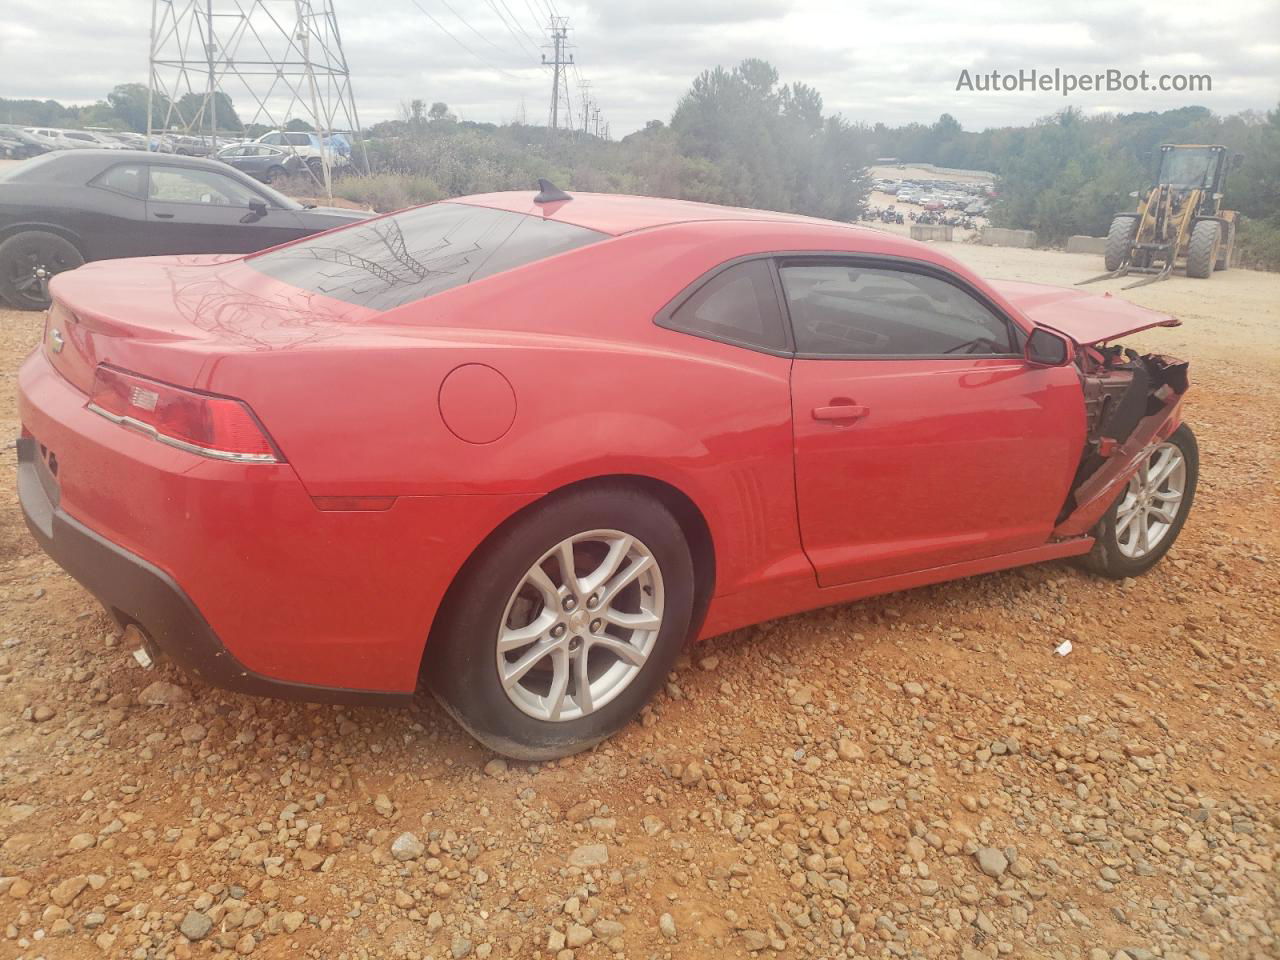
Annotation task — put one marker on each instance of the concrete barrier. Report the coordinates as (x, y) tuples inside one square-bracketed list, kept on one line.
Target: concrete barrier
[(1082, 244), (1004, 237), (930, 231)]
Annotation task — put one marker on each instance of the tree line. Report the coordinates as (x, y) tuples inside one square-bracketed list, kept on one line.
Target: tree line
[(1068, 173), (739, 136)]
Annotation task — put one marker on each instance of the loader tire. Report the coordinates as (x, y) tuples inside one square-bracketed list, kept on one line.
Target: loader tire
[(1119, 241), (1228, 247), (1202, 251)]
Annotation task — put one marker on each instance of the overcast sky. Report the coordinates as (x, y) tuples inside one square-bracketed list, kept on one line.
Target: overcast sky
[(878, 60)]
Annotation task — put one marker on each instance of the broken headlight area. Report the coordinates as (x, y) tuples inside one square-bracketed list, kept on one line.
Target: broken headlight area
[(1128, 398)]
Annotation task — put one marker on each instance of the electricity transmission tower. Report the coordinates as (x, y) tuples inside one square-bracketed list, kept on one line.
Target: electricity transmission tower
[(559, 31), (284, 57)]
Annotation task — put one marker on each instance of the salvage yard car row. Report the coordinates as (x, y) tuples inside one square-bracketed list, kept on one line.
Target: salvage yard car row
[(271, 156)]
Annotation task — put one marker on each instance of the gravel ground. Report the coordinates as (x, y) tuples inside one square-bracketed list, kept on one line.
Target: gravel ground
[(913, 776)]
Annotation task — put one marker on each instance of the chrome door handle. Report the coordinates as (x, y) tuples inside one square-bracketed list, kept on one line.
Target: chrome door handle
[(842, 411)]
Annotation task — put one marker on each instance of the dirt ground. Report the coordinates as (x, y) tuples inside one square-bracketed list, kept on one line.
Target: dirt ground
[(913, 776)]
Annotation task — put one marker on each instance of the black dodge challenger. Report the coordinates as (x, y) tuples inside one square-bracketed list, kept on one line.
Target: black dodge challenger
[(64, 208)]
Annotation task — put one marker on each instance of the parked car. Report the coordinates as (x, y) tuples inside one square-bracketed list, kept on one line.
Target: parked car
[(55, 139), (94, 140), (17, 144), (311, 148), (62, 209), (261, 161), (530, 446)]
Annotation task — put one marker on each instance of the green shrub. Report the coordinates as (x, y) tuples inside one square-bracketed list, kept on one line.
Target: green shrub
[(385, 192), (1259, 244)]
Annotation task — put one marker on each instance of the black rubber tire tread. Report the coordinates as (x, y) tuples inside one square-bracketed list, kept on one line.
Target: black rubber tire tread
[(1106, 560), (12, 247), (1119, 241), (1226, 249), (459, 663), (1202, 251)]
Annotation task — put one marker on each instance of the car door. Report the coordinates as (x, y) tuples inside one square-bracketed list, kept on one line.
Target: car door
[(111, 214), (922, 436), (194, 210)]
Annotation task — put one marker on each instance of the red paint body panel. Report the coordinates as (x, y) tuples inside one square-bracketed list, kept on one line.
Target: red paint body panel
[(959, 466), (327, 598), (1087, 318), (955, 460)]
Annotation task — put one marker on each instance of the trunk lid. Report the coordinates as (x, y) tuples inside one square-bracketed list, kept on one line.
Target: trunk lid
[(168, 317), (1087, 318)]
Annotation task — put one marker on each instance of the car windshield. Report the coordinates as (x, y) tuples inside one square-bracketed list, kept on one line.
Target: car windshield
[(413, 254), (1182, 167)]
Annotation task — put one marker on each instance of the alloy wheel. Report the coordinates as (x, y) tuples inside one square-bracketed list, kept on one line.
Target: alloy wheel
[(31, 269), (1150, 504), (580, 625)]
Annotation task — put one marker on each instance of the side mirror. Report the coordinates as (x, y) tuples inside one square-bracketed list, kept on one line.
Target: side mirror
[(1237, 161), (257, 210), (1046, 349)]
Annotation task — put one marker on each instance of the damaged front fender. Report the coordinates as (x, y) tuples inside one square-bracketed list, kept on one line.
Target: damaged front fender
[(1135, 403)]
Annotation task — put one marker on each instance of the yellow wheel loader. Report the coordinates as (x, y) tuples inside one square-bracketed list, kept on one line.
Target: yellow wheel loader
[(1180, 218)]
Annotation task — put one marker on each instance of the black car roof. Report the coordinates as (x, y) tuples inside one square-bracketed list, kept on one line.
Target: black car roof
[(68, 166)]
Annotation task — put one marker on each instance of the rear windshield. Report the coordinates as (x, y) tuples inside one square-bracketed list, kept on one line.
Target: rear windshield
[(407, 256)]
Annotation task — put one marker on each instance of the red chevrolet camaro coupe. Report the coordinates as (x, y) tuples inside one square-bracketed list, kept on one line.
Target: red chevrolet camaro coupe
[(525, 447)]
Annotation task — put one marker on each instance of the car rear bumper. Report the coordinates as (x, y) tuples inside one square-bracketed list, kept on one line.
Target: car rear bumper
[(234, 568), (135, 591)]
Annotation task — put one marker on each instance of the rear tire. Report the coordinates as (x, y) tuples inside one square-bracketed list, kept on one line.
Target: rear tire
[(28, 261), (273, 174), (1117, 550), (1119, 241), (515, 583), (1202, 251)]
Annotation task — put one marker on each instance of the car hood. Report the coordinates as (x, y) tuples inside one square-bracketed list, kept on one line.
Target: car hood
[(341, 213), (1086, 318)]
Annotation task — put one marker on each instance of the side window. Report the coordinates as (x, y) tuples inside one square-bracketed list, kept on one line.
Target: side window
[(847, 310), (276, 138), (299, 139), (182, 185), (123, 178), (738, 305)]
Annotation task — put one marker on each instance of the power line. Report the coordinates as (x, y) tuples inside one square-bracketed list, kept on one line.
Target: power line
[(526, 33), (468, 25), (447, 33), (537, 14), (510, 29)]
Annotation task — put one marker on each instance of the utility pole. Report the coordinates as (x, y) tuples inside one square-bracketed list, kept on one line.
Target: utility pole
[(557, 63), (211, 51), (585, 87), (595, 121)]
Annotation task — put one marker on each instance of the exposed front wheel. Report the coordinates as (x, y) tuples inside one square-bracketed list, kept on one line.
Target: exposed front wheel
[(1148, 515), (564, 626), (28, 261)]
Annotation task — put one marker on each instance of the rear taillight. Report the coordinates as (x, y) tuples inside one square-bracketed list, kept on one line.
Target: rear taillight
[(212, 426)]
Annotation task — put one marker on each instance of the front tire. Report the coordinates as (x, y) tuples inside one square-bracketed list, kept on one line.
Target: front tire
[(1202, 250), (28, 261), (1147, 517), (537, 663), (1119, 242)]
